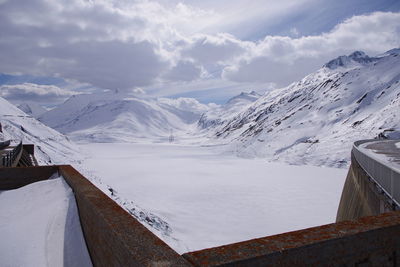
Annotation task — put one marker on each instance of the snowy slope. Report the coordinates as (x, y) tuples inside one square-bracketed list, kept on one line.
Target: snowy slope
[(51, 147), (314, 121), (220, 114), (32, 109), (112, 116)]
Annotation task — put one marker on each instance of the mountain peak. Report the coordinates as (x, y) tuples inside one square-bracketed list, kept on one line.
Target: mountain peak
[(32, 109), (244, 96), (320, 115), (357, 57)]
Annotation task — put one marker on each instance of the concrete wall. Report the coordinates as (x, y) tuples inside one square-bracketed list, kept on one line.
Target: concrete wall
[(113, 236), (369, 241), (361, 196), (13, 178)]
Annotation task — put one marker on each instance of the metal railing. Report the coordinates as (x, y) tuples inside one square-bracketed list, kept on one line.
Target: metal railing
[(11, 157), (386, 177), (4, 144)]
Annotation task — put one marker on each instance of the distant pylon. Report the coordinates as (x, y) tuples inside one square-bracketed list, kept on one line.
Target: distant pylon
[(171, 137)]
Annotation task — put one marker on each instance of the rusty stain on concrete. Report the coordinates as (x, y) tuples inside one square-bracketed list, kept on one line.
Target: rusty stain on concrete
[(346, 242)]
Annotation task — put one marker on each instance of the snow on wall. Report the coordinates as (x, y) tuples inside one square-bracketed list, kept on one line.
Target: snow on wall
[(39, 226)]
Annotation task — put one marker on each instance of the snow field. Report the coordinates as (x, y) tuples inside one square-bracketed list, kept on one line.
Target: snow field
[(39, 226), (211, 199)]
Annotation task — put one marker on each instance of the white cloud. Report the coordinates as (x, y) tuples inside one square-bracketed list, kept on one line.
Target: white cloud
[(245, 17), (34, 92), (138, 91), (213, 49), (284, 59), (188, 104)]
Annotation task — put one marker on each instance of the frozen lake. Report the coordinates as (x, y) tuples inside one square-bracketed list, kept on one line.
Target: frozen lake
[(211, 199)]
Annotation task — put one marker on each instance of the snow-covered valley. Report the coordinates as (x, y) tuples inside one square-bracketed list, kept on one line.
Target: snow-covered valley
[(202, 175), (310, 122), (211, 198)]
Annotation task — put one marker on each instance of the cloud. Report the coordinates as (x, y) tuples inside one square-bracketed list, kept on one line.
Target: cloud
[(109, 44), (109, 64), (144, 43), (187, 104), (246, 18), (184, 71), (208, 49), (284, 59), (138, 91), (34, 92)]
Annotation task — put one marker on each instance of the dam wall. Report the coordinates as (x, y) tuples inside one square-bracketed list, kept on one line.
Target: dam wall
[(367, 231), (363, 194)]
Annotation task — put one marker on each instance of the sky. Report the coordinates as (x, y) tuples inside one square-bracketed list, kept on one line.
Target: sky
[(210, 50)]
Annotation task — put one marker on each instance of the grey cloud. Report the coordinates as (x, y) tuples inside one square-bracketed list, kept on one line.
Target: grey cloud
[(128, 44), (85, 43), (212, 49), (184, 71), (112, 64)]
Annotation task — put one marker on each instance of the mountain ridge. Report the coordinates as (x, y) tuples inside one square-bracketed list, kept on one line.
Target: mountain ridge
[(315, 120), (116, 117), (51, 147)]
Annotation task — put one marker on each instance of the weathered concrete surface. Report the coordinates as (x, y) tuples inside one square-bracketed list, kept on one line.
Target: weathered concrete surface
[(361, 196), (113, 236), (13, 178), (369, 241)]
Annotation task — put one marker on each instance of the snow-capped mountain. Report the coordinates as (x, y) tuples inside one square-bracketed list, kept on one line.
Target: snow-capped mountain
[(117, 117), (32, 109), (314, 121), (51, 147), (354, 59), (224, 113)]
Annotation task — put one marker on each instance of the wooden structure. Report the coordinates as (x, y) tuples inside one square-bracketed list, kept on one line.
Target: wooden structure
[(17, 156)]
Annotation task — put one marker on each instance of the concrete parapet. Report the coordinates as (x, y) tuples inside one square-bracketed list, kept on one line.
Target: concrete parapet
[(13, 178), (113, 236), (369, 241)]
